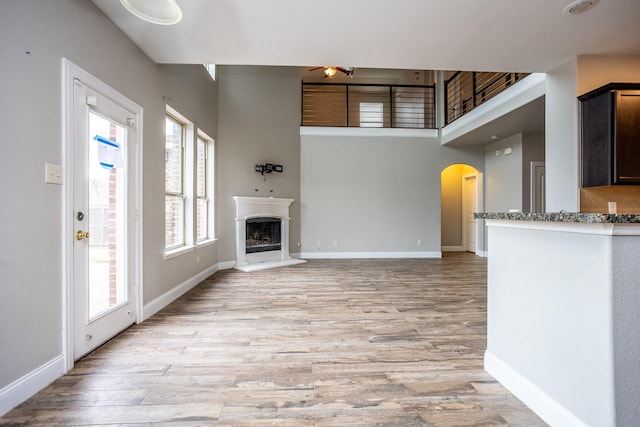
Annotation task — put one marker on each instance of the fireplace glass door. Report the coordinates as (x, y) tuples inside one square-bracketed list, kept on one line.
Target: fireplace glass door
[(263, 234)]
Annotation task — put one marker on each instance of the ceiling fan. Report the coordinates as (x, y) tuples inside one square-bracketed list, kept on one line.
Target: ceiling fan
[(331, 70)]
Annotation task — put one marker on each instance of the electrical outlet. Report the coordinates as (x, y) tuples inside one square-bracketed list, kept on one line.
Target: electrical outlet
[(197, 259), (335, 243), (419, 242)]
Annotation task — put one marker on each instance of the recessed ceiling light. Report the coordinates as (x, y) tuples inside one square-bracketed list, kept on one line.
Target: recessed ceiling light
[(494, 137), (161, 12), (579, 6)]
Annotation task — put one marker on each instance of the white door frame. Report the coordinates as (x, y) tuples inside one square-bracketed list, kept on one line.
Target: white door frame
[(71, 72), (479, 208), (538, 189)]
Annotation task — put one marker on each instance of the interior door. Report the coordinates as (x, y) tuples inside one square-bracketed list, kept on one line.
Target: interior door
[(103, 289), (538, 188), (469, 197)]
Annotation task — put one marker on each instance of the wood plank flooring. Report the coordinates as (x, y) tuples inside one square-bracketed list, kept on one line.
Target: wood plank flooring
[(326, 343)]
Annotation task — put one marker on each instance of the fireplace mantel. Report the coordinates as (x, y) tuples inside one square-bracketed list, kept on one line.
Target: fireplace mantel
[(256, 207)]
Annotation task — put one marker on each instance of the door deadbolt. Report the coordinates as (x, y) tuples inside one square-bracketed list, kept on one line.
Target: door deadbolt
[(80, 216)]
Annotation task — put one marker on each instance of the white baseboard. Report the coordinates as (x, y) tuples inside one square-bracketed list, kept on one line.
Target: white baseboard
[(536, 399), (452, 249), (168, 297), (483, 254), (225, 265), (25, 387), (358, 255), (248, 268)]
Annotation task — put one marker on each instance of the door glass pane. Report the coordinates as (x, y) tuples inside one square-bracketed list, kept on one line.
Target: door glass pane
[(106, 216)]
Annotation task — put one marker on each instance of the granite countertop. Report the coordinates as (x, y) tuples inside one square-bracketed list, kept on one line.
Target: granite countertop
[(575, 217)]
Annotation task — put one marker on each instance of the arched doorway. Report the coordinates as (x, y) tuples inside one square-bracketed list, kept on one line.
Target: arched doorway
[(460, 197)]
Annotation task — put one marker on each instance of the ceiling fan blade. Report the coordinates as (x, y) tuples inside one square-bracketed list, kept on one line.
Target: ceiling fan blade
[(346, 70), (316, 68)]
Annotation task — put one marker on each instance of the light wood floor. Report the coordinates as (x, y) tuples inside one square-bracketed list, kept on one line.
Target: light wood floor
[(327, 343)]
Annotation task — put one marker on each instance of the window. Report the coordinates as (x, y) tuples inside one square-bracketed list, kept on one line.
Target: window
[(188, 185), (211, 69), (174, 196), (204, 186), (371, 115)]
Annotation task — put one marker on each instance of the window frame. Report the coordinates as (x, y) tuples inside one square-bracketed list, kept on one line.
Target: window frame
[(180, 194), (189, 186), (208, 195)]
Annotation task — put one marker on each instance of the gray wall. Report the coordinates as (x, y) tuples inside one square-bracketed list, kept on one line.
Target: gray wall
[(34, 36), (503, 175), (259, 115), (374, 194)]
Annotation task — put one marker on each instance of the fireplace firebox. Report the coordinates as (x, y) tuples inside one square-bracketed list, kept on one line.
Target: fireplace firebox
[(263, 234)]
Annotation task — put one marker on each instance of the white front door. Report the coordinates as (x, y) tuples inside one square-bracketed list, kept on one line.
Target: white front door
[(469, 206), (104, 219)]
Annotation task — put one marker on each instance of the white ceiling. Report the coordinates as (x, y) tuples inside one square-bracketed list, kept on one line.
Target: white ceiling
[(469, 35), (473, 35)]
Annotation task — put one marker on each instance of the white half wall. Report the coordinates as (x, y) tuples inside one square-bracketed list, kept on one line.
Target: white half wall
[(562, 319)]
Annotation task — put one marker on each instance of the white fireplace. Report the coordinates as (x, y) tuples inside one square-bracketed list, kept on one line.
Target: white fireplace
[(271, 249)]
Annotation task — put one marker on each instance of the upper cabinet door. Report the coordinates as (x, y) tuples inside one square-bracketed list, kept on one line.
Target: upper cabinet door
[(627, 138), (610, 135)]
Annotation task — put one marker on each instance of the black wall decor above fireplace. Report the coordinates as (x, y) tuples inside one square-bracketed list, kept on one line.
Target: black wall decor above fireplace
[(263, 234)]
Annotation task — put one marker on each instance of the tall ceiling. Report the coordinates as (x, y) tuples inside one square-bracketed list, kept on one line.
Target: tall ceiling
[(478, 35)]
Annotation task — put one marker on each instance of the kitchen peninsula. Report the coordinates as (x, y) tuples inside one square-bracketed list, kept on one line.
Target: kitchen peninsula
[(563, 314)]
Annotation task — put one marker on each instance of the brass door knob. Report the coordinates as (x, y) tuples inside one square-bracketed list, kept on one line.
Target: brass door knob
[(82, 235)]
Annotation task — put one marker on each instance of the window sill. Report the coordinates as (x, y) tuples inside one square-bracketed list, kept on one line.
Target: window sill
[(172, 253), (205, 243)]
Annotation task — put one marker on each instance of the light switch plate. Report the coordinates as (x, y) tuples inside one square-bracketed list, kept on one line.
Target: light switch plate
[(52, 174)]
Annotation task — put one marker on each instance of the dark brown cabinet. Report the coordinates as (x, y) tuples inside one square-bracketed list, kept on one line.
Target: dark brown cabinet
[(611, 135)]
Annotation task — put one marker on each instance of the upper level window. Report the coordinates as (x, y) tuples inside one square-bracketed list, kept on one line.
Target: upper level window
[(211, 68)]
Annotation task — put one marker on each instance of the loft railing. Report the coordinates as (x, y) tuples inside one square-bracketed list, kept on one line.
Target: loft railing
[(368, 105), (465, 90)]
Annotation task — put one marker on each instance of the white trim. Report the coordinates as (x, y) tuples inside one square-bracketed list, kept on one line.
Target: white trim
[(360, 255), (465, 207), (534, 188), (368, 132), (483, 254), (174, 293), (537, 400), (176, 252), (28, 385), (452, 249), (70, 72), (226, 265), (248, 268), (595, 228)]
